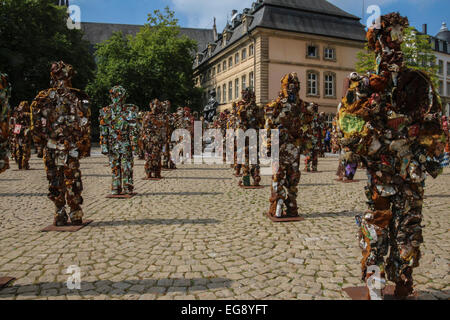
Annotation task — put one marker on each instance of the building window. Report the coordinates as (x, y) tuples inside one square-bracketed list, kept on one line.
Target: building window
[(312, 51), (219, 95), (224, 95), (244, 82), (236, 88), (448, 69), (230, 62), (225, 66), (251, 50), (330, 84), (251, 83), (244, 54), (230, 91), (441, 87), (329, 54), (236, 58), (448, 89), (441, 67), (313, 83), (218, 68)]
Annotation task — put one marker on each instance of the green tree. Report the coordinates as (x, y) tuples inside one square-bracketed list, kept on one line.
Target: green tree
[(417, 50), (33, 34), (156, 63)]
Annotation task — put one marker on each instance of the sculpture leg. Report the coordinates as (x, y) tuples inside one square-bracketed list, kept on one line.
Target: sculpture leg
[(127, 173), (256, 174), (18, 155), (293, 178), (26, 156), (57, 190), (374, 240), (278, 192), (315, 160), (74, 187), (157, 163), (116, 185), (405, 238), (245, 168)]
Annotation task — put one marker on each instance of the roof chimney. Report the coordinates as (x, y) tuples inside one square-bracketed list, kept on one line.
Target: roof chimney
[(444, 27), (215, 35), (425, 28)]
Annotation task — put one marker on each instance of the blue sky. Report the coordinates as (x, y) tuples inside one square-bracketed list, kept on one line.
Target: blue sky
[(200, 13)]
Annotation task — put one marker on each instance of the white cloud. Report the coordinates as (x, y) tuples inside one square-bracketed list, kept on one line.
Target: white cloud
[(200, 13)]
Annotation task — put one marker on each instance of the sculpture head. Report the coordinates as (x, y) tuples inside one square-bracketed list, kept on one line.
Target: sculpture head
[(290, 87), (118, 94), (61, 74), (386, 41), (156, 107), (248, 95)]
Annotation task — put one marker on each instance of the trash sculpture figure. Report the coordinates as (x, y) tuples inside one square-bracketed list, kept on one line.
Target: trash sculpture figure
[(293, 118), (21, 137), (312, 157), (392, 120), (153, 137), (167, 162), (118, 140), (63, 121), (248, 117), (5, 94)]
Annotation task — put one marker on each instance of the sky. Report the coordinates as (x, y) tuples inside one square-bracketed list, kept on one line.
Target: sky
[(200, 13)]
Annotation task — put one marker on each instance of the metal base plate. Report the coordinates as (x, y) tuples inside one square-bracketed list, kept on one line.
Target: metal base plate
[(121, 196), (361, 293), (287, 219), (4, 281), (67, 228)]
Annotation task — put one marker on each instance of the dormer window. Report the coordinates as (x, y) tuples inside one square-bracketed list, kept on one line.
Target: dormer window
[(329, 54), (211, 48), (312, 51), (247, 21)]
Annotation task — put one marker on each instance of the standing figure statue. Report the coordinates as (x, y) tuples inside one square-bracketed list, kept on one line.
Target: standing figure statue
[(312, 157), (210, 110), (21, 137), (392, 120), (153, 137), (5, 94), (292, 117), (63, 121), (167, 162), (118, 140), (248, 118)]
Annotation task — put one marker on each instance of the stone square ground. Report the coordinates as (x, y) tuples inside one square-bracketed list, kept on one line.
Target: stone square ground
[(196, 235)]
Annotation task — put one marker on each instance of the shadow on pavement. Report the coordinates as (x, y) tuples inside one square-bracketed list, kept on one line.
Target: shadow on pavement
[(23, 194), (330, 214), (179, 194), (152, 222), (198, 178), (156, 286)]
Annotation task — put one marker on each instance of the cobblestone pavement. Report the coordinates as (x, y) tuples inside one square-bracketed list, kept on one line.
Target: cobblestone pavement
[(196, 235)]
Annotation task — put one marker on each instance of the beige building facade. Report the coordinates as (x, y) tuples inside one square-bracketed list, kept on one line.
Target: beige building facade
[(318, 41)]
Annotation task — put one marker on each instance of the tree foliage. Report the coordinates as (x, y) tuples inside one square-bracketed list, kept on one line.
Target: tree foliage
[(33, 34), (417, 50), (156, 63)]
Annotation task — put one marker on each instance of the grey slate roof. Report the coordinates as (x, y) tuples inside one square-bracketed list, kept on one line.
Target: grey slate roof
[(99, 32), (321, 6), (303, 16)]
